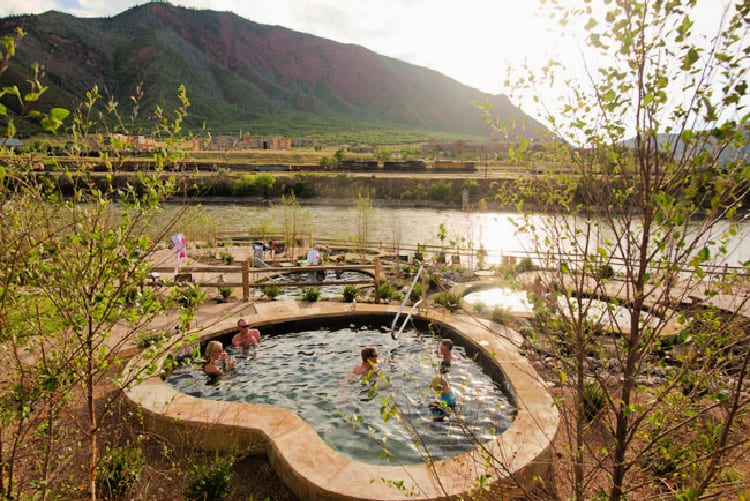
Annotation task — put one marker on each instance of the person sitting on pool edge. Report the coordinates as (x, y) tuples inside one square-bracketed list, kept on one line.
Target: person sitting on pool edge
[(446, 402), (215, 359), (246, 336), (445, 351)]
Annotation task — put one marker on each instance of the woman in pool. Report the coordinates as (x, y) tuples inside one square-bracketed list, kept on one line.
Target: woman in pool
[(369, 361), (216, 361)]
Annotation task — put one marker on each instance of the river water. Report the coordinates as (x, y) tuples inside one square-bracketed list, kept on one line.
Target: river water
[(405, 227)]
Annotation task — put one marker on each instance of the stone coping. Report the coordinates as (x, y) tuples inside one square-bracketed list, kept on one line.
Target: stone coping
[(312, 470)]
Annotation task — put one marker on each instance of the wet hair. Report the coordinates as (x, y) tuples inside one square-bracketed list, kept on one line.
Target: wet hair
[(447, 343), (369, 352), (213, 348)]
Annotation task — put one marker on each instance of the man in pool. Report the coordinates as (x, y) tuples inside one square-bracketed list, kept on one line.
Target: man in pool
[(246, 337), (445, 352), (369, 361)]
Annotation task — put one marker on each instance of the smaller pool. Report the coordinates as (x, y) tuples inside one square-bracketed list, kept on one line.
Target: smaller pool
[(326, 291), (307, 372), (514, 301), (603, 313)]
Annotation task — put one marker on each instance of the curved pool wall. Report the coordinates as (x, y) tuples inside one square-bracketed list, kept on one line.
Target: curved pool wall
[(313, 471)]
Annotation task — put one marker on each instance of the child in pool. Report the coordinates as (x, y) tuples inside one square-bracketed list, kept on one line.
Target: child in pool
[(446, 402), (216, 360)]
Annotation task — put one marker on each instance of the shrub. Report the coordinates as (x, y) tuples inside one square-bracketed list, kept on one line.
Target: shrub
[(526, 264), (225, 292), (416, 293), (449, 300), (478, 307), (593, 400), (501, 315), (271, 291), (311, 294), (118, 469), (384, 290), (189, 297), (148, 337), (210, 481), (227, 257), (350, 293), (605, 271)]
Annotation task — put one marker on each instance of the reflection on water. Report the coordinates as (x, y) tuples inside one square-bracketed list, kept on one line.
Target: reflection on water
[(511, 300), (326, 291), (307, 373), (495, 231), (602, 313)]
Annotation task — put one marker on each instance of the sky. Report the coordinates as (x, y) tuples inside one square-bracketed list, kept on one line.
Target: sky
[(472, 41)]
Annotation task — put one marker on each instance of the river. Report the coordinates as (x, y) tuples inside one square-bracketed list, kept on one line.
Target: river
[(403, 227)]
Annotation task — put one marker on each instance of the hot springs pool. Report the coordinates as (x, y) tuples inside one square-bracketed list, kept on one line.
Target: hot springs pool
[(306, 370)]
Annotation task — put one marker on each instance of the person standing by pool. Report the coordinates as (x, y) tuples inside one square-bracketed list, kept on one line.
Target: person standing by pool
[(215, 359), (246, 337)]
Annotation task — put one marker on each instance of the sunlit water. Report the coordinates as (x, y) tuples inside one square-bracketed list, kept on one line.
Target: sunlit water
[(496, 232), (511, 300), (308, 372), (326, 291), (604, 314)]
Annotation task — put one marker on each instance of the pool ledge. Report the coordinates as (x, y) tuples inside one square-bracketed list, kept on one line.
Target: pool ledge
[(313, 471)]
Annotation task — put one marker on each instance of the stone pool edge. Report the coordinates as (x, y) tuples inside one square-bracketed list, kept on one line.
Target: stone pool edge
[(312, 470)]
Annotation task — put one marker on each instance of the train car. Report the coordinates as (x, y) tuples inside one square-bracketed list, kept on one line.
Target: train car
[(358, 165), (453, 166), (405, 166)]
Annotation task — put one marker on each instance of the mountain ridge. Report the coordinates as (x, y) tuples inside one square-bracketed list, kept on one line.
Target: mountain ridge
[(239, 71)]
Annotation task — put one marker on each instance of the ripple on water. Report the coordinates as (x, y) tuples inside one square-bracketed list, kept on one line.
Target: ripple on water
[(307, 373)]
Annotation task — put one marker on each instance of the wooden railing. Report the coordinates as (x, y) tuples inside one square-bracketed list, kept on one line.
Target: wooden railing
[(253, 277)]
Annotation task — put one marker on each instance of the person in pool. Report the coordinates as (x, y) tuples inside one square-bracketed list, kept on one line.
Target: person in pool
[(446, 399), (246, 337), (445, 352), (369, 362), (215, 359)]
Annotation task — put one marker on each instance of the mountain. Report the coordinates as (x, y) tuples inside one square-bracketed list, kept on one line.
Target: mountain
[(243, 75)]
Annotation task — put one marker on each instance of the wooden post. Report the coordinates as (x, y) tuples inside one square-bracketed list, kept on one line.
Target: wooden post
[(377, 269), (423, 304), (246, 280)]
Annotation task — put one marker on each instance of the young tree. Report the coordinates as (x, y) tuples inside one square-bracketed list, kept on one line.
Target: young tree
[(71, 298), (654, 144)]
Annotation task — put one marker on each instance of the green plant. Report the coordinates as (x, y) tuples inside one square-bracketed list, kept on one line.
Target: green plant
[(416, 293), (605, 271), (189, 297), (210, 481), (311, 294), (594, 400), (227, 257), (225, 292), (149, 337), (525, 265), (350, 293), (271, 291), (478, 307), (501, 315), (117, 470), (449, 300), (384, 290)]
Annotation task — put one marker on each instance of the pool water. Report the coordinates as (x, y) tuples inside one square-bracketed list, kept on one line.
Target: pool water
[(326, 291), (605, 314), (307, 372), (511, 300)]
